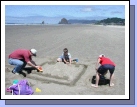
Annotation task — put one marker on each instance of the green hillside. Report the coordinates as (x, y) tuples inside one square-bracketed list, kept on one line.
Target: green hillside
[(112, 21)]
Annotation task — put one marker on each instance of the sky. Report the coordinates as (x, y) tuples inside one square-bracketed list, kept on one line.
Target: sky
[(52, 14)]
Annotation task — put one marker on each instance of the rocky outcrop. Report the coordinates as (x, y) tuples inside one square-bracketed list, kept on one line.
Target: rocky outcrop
[(63, 21)]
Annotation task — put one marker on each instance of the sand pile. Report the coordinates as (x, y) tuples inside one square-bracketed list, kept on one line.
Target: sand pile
[(62, 70)]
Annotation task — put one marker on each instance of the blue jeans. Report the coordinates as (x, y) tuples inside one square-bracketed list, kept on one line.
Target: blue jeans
[(19, 64)]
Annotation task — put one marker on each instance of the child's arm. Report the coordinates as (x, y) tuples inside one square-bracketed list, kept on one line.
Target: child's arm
[(65, 60), (70, 58)]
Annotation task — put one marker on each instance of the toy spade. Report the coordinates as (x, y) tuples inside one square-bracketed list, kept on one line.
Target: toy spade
[(40, 69)]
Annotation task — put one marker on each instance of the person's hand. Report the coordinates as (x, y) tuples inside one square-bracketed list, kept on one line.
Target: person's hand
[(67, 62), (39, 68)]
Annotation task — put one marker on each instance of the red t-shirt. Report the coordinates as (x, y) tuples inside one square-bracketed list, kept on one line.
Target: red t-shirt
[(104, 60), (23, 54)]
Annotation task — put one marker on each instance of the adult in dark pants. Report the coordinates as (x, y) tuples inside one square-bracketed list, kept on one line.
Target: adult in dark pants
[(20, 57), (105, 65)]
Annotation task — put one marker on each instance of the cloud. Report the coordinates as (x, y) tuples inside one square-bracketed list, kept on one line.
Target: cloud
[(90, 8), (87, 9), (116, 12)]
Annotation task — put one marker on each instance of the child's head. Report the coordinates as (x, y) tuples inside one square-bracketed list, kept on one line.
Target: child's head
[(65, 50)]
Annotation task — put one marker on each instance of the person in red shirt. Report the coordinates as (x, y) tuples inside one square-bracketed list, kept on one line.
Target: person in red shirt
[(20, 57), (106, 64)]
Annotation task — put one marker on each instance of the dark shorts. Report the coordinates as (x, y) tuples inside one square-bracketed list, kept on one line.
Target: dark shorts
[(104, 68), (65, 59)]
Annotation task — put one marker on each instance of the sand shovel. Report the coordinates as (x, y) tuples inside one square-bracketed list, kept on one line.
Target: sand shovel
[(40, 69)]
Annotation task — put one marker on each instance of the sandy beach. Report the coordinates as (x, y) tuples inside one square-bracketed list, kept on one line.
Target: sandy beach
[(85, 42)]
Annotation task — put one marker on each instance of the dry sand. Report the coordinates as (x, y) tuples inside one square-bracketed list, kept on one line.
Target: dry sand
[(84, 42)]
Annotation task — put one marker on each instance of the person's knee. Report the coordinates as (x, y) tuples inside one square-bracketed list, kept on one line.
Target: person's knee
[(58, 60), (10, 61)]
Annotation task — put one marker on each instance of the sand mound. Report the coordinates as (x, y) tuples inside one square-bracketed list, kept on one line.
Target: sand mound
[(62, 70)]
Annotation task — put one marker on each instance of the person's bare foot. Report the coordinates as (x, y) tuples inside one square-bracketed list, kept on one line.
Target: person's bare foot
[(112, 84), (93, 85)]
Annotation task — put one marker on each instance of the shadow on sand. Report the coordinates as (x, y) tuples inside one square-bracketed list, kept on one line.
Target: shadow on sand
[(28, 70), (102, 80)]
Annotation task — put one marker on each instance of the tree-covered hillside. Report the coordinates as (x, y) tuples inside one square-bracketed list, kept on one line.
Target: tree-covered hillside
[(112, 21)]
